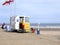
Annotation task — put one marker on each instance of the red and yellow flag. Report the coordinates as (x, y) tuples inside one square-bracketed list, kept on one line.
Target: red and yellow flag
[(8, 2)]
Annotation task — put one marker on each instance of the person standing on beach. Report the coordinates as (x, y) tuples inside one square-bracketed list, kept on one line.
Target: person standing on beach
[(3, 25)]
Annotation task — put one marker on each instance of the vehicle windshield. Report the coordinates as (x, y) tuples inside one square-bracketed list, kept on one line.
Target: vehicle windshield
[(26, 19)]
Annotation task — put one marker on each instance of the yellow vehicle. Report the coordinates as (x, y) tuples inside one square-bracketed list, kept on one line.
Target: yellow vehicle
[(20, 23)]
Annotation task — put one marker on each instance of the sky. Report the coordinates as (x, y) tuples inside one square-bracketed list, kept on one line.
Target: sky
[(39, 11)]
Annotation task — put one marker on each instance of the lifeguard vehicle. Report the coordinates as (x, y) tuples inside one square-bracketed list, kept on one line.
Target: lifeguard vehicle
[(20, 23)]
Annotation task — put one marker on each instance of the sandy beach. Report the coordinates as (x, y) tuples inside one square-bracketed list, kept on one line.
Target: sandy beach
[(45, 38)]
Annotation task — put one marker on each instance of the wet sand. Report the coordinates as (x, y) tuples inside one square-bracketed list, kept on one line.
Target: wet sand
[(45, 38)]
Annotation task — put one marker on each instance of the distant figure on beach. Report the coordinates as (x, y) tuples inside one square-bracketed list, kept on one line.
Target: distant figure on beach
[(3, 25), (33, 30)]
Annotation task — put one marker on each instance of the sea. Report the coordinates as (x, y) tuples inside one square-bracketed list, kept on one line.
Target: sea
[(42, 24), (45, 25)]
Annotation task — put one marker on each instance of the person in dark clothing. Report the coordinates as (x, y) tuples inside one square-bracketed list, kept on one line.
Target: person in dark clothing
[(3, 25)]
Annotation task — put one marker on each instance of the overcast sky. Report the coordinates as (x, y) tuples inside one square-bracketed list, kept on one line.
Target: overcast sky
[(42, 11)]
